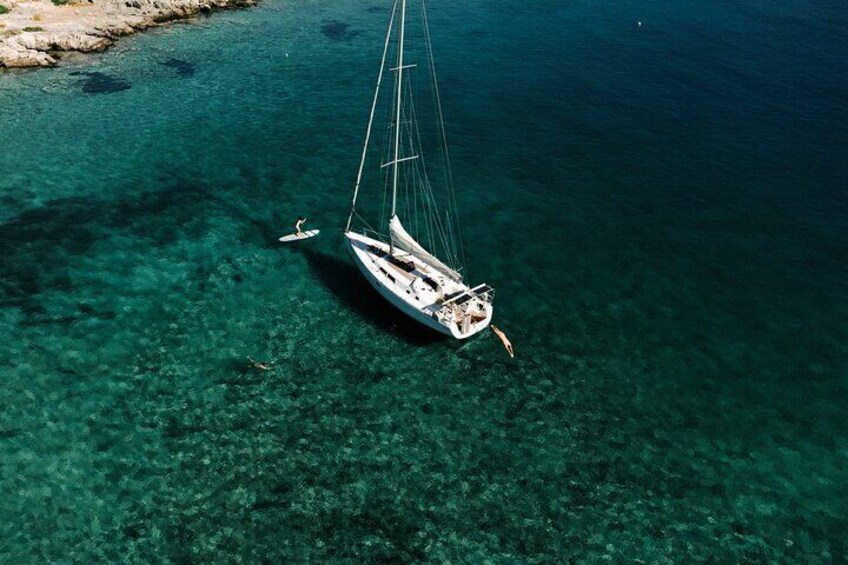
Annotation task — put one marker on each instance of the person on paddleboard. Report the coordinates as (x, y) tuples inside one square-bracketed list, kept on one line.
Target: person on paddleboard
[(300, 221)]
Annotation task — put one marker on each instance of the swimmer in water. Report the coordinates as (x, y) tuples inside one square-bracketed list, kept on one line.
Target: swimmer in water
[(259, 364), (502, 336)]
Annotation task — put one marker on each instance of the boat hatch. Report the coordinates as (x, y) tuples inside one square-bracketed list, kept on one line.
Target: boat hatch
[(407, 266), (374, 250)]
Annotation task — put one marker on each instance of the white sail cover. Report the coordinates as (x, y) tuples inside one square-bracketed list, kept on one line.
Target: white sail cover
[(402, 239)]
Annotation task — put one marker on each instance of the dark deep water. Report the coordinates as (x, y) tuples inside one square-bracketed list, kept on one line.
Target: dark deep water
[(661, 208)]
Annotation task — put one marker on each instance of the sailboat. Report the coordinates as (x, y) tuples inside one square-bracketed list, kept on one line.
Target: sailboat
[(413, 256)]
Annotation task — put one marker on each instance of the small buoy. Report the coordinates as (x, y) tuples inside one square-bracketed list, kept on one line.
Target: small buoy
[(287, 55), (638, 24)]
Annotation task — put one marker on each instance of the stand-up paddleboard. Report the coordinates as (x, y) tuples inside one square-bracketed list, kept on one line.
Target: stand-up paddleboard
[(294, 237)]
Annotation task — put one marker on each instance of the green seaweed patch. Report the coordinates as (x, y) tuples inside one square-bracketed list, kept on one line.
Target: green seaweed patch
[(33, 28), (3, 9)]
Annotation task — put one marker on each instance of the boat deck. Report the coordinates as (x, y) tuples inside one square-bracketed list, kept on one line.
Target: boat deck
[(420, 290)]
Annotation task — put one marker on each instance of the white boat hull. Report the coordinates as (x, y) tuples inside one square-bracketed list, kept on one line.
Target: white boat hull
[(409, 293)]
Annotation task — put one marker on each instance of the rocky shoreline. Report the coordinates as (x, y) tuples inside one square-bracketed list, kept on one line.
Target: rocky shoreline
[(35, 33)]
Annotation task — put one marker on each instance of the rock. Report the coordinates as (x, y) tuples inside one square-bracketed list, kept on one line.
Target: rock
[(115, 30), (86, 27), (12, 58), (62, 42)]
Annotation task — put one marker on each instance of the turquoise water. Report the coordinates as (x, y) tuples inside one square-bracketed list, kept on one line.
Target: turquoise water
[(661, 209)]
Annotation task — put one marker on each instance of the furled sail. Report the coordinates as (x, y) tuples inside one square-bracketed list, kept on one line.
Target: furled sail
[(402, 239)]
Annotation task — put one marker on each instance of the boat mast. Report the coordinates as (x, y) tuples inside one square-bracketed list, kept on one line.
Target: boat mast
[(398, 109), (371, 118)]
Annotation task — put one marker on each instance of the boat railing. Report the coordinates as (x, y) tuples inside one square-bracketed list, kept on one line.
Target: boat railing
[(482, 291), (374, 234), (486, 293)]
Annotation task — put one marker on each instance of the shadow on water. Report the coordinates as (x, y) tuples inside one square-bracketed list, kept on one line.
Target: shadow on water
[(338, 31), (261, 233), (42, 244), (183, 69), (353, 291), (37, 246), (100, 83)]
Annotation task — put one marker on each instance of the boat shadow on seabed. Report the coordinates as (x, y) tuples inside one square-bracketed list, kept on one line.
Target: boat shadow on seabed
[(346, 283), (342, 279)]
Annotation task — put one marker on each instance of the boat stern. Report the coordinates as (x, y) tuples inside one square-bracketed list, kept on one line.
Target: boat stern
[(468, 312)]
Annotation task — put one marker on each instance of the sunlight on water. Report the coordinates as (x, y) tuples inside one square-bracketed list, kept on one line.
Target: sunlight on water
[(660, 208)]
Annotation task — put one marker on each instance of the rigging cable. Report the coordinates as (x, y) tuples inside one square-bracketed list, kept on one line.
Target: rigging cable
[(446, 153)]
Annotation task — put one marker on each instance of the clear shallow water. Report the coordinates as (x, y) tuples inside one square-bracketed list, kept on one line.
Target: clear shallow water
[(662, 211)]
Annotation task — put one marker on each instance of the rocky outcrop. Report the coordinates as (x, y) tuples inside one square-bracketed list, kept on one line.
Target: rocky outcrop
[(62, 41), (19, 57), (34, 33)]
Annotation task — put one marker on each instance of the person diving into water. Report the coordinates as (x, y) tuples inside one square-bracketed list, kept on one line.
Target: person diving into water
[(505, 340)]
